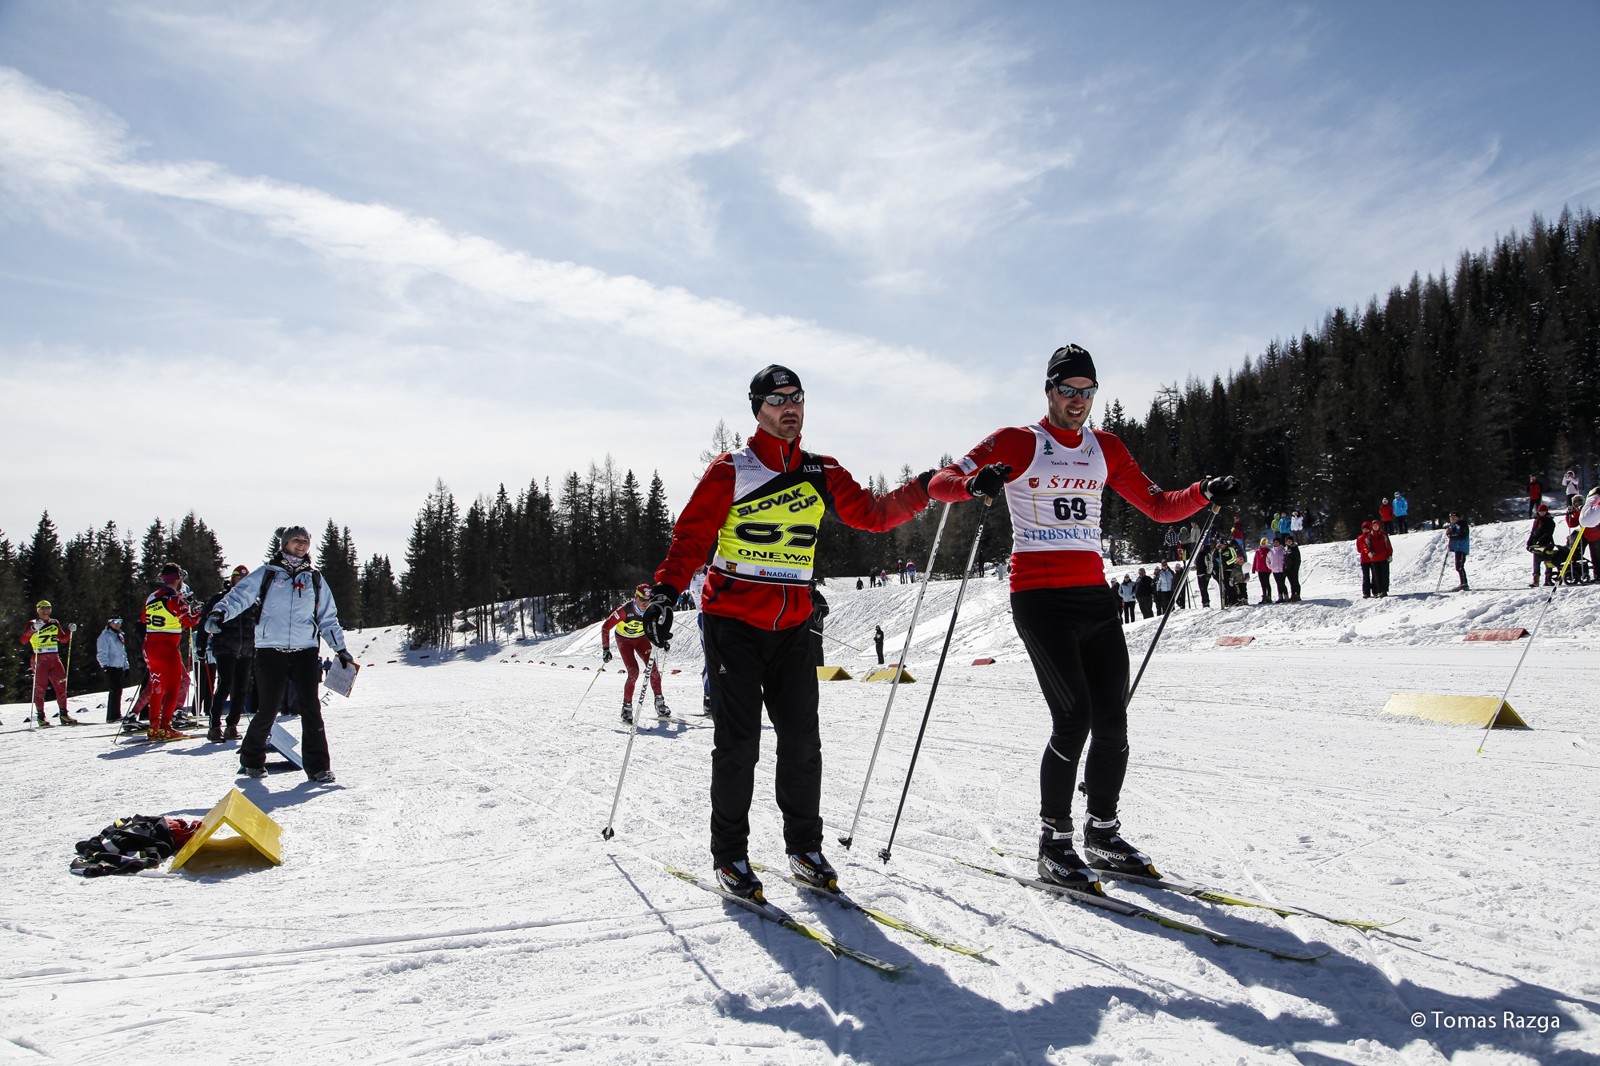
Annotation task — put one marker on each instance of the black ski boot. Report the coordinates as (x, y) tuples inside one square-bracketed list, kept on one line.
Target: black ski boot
[(736, 878), (1106, 849), (1060, 864), (662, 710), (812, 868), (627, 713)]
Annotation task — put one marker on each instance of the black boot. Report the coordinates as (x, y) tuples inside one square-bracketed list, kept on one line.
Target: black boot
[(812, 868), (1103, 843), (1059, 862), (736, 878)]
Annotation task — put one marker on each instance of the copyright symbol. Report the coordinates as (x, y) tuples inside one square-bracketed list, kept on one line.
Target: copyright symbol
[(1418, 1020)]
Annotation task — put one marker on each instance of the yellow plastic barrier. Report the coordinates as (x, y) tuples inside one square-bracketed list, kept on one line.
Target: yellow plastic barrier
[(237, 813), (886, 673), (832, 673), (1455, 710)]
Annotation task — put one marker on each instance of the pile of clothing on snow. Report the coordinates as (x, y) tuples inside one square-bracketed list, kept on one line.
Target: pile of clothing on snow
[(131, 844)]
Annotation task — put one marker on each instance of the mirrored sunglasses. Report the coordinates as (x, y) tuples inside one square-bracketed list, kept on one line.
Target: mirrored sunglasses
[(778, 399), (1072, 392)]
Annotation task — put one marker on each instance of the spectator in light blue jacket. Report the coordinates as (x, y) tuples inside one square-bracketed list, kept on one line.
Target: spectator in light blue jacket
[(112, 654), (1400, 508), (297, 614)]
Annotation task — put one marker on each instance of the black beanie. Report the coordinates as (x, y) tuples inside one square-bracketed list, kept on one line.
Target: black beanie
[(771, 379), (1070, 361)]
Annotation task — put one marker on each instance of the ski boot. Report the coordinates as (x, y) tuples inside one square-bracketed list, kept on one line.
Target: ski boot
[(627, 713), (42, 722), (66, 719), (322, 777), (1103, 843), (705, 707), (737, 879), (662, 711), (252, 771), (1060, 864), (813, 869)]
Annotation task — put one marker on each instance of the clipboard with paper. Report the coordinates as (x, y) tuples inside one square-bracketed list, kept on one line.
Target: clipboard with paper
[(341, 678)]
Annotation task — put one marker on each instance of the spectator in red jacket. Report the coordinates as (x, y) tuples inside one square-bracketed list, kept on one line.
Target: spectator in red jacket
[(1381, 549), (1386, 515), (1261, 566), (1535, 494), (1364, 553)]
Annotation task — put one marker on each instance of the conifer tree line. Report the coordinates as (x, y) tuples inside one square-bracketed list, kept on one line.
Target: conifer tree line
[(1451, 391), (100, 573)]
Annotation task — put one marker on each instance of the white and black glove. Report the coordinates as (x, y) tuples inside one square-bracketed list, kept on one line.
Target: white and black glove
[(658, 616), (1217, 489), (605, 655), (989, 481)]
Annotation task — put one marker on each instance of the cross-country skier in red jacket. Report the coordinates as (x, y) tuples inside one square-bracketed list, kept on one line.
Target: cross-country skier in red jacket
[(1053, 474), (168, 611), (43, 637), (628, 621), (758, 512)]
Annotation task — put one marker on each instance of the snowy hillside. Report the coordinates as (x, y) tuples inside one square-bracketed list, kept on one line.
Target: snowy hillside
[(451, 899)]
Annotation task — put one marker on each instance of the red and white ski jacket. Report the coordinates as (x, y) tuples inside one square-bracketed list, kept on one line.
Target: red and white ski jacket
[(1072, 564), (767, 469), (627, 620)]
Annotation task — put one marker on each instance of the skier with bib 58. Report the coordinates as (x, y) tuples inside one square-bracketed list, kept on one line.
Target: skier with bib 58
[(1053, 474)]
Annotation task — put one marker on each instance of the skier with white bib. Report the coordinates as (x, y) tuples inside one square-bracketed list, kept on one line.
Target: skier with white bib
[(1053, 474)]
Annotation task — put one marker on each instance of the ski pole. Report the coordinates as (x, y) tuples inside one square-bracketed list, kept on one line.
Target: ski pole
[(72, 629), (836, 640), (598, 671), (1216, 509), (934, 686), (627, 754), (1438, 585), (894, 687), (1532, 633)]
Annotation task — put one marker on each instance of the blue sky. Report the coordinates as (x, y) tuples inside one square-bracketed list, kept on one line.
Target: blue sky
[(282, 262)]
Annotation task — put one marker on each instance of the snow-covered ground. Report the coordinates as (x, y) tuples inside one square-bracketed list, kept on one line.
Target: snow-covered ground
[(451, 900)]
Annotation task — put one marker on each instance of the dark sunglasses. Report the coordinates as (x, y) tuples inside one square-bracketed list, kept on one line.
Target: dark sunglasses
[(1072, 392), (778, 399)]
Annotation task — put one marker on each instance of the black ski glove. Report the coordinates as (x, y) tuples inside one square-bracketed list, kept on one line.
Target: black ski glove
[(925, 477), (1219, 488), (990, 481), (658, 616), (345, 658), (605, 655)]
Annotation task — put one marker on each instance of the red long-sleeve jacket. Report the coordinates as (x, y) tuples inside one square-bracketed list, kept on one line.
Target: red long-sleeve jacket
[(1014, 446), (767, 604)]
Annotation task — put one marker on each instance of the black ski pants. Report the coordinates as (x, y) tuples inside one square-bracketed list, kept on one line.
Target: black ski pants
[(749, 666), (1081, 659), (116, 677), (276, 671)]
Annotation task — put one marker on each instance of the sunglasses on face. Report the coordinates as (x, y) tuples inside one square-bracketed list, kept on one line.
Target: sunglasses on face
[(778, 399), (1072, 392)]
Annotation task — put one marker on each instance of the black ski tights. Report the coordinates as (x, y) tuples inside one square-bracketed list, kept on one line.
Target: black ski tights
[(1075, 640)]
